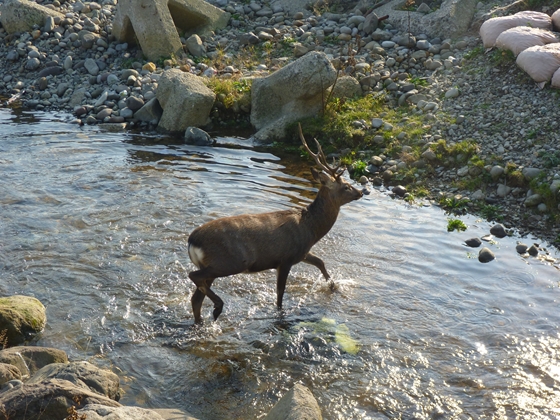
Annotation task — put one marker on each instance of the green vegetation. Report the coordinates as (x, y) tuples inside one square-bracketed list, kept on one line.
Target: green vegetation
[(455, 224), (491, 213), (502, 57), (454, 205), (550, 159), (474, 53), (358, 169), (231, 91)]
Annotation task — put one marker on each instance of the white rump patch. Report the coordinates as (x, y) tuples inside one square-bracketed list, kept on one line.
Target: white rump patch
[(196, 255)]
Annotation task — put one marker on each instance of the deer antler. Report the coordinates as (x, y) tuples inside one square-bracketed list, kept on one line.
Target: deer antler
[(320, 157)]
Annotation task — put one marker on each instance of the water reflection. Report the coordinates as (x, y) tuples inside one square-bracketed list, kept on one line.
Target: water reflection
[(95, 225)]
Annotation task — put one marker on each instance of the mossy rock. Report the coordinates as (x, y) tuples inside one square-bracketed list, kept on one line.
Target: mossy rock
[(21, 317)]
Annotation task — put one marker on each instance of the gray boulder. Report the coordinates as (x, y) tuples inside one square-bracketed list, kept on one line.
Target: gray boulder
[(153, 23), (198, 137), (101, 412), (22, 15), (298, 404), (48, 400), (151, 112), (195, 46), (29, 359), (21, 317), (531, 173), (185, 99), (82, 374), (451, 20), (346, 87), (296, 91)]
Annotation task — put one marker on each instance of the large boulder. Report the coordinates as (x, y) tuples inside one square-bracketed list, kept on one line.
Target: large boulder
[(82, 374), (185, 99), (298, 404), (296, 91), (48, 400), (21, 317), (30, 359), (100, 412), (22, 15), (451, 20), (153, 23)]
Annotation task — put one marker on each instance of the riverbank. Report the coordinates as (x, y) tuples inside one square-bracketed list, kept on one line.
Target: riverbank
[(477, 135)]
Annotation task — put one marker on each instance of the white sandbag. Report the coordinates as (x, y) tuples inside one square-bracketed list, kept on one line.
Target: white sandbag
[(492, 28), (555, 81), (522, 37), (556, 20), (540, 62)]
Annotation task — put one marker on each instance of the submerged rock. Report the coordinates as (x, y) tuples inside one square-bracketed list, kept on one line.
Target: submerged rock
[(485, 255), (473, 242), (498, 231)]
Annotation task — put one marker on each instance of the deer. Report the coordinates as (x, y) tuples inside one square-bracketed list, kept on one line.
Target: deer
[(251, 243)]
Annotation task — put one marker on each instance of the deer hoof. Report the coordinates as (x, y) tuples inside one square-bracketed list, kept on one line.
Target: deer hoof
[(217, 311)]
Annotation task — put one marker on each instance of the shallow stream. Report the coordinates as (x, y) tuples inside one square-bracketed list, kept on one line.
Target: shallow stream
[(95, 224)]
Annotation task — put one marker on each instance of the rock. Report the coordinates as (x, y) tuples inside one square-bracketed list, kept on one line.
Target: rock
[(294, 92), (399, 190), (134, 103), (173, 414), (371, 23), (195, 46), (22, 15), (473, 242), (496, 172), (429, 155), (521, 248), (451, 20), (154, 24), (531, 173), (8, 373), (51, 71), (91, 66), (498, 231), (555, 186), (533, 251), (49, 400), (185, 99), (29, 359), (298, 404), (485, 255), (478, 195), (533, 200), (151, 112), (22, 317), (452, 93), (81, 374), (503, 190), (198, 137), (346, 87), (104, 113), (101, 412)]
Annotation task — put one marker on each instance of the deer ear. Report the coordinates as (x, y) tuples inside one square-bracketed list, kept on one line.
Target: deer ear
[(322, 177)]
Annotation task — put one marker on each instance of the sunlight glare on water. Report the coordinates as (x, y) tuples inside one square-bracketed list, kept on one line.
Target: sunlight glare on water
[(95, 224)]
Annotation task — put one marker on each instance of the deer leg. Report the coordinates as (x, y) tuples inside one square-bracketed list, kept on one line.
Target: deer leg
[(203, 282), (317, 262), (281, 278)]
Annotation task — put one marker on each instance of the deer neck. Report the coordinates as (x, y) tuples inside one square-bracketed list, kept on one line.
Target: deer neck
[(321, 214)]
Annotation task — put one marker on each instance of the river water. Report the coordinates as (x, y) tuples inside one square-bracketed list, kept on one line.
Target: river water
[(95, 225)]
